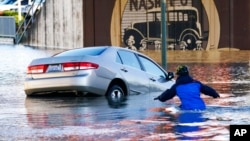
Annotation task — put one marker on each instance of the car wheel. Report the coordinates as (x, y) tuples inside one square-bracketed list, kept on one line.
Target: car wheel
[(190, 41), (115, 93)]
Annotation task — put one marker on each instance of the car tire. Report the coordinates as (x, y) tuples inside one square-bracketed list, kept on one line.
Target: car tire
[(190, 40), (115, 93)]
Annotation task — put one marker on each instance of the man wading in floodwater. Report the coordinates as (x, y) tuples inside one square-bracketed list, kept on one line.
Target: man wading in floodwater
[(188, 90)]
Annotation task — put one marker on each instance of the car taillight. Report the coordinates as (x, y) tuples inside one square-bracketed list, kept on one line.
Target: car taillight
[(72, 66), (37, 69)]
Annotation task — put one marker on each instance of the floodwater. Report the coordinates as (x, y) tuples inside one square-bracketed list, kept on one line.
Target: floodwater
[(138, 117)]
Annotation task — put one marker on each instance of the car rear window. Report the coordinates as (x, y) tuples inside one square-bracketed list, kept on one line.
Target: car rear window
[(93, 51)]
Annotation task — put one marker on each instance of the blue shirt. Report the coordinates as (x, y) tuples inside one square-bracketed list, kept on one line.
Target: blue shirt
[(188, 90)]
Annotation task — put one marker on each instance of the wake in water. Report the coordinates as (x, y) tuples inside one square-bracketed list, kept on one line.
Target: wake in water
[(210, 124)]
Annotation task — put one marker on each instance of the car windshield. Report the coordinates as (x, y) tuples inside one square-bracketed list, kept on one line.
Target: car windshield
[(94, 51)]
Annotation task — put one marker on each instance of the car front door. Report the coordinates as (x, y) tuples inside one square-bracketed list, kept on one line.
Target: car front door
[(157, 77), (131, 70)]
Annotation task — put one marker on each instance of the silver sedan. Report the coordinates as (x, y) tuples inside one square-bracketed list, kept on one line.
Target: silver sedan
[(103, 70)]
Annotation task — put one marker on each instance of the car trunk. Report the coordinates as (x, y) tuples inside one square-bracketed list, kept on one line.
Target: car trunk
[(54, 67)]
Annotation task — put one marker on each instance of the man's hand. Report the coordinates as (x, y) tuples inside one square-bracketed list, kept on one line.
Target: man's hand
[(217, 96), (156, 98)]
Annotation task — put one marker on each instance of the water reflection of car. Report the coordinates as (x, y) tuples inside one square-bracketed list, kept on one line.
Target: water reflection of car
[(183, 28), (111, 71), (68, 110)]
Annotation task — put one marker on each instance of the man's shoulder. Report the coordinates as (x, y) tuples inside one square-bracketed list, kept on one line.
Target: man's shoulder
[(184, 80)]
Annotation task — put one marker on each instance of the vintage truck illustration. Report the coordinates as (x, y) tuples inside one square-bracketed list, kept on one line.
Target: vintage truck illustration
[(183, 29)]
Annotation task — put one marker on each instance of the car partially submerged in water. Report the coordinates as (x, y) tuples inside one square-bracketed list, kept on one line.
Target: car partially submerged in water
[(103, 70)]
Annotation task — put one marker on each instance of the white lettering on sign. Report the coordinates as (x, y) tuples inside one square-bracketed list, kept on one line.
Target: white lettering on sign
[(149, 4), (240, 132)]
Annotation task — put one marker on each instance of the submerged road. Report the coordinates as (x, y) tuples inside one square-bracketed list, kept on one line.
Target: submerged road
[(138, 117)]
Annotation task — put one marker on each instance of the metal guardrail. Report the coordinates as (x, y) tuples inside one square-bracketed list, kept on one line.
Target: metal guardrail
[(28, 20), (8, 27)]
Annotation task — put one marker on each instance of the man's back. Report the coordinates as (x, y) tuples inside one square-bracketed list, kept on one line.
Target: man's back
[(189, 95)]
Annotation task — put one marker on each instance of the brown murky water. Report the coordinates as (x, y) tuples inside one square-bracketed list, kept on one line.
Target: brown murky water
[(138, 117), (214, 56)]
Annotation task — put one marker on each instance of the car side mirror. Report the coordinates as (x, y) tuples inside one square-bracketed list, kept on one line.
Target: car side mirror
[(170, 75)]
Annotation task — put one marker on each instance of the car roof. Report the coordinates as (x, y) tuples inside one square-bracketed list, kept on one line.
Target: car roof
[(116, 48), (106, 47)]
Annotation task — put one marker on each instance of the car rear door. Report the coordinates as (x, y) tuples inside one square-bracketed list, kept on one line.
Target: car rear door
[(132, 72)]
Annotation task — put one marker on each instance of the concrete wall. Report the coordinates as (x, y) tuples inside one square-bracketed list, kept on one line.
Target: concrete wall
[(58, 25)]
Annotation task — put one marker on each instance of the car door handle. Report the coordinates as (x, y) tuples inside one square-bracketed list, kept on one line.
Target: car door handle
[(125, 70), (152, 79)]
